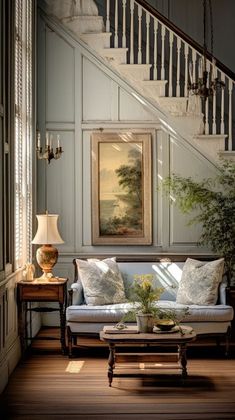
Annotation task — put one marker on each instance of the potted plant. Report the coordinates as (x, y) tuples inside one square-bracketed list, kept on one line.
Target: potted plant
[(214, 200), (144, 298)]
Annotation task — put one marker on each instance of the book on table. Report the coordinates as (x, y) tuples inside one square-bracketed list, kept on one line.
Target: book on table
[(128, 329)]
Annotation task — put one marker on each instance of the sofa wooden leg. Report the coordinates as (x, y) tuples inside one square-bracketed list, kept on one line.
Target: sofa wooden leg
[(218, 342), (227, 342), (70, 342)]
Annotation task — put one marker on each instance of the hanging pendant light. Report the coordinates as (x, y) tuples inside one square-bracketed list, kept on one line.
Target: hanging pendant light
[(207, 83)]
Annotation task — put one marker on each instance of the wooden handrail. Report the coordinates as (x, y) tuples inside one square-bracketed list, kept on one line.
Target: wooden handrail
[(184, 36)]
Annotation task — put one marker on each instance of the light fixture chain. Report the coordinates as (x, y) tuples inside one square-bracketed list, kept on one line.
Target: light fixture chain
[(204, 28), (212, 28)]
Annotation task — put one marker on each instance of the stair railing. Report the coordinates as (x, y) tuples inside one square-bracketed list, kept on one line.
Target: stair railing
[(174, 57)]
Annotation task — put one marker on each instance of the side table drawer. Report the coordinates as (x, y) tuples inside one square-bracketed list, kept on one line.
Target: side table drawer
[(39, 293)]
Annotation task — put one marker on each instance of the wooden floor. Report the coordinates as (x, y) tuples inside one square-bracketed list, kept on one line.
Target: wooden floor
[(47, 385)]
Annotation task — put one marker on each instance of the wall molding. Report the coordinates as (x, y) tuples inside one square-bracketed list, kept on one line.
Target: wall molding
[(8, 363)]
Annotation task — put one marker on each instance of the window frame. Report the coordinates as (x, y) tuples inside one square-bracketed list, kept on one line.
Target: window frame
[(6, 107)]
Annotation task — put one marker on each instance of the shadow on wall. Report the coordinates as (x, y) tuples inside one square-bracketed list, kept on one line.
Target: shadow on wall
[(166, 275)]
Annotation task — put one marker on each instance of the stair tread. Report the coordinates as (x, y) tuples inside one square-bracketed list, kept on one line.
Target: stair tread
[(136, 65)]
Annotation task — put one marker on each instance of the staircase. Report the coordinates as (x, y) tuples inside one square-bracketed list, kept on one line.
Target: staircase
[(158, 60)]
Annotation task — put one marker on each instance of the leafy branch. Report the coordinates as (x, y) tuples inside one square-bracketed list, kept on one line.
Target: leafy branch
[(214, 201)]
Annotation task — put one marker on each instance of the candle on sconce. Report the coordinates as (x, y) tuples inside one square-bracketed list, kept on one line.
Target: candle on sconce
[(38, 140), (214, 71), (58, 141), (200, 69), (191, 72), (51, 141), (47, 138)]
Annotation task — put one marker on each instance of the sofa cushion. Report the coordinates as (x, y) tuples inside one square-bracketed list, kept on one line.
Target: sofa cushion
[(97, 313), (114, 313), (199, 282), (102, 281)]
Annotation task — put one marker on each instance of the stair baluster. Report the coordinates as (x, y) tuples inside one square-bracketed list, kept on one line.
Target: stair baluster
[(222, 106), (171, 39), (123, 23), (116, 25), (230, 90), (147, 37), (178, 67), (155, 50), (107, 16), (185, 69), (163, 53), (206, 117), (214, 106), (132, 32), (140, 35)]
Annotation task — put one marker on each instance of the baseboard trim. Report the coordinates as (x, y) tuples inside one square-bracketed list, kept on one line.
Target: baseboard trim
[(9, 363)]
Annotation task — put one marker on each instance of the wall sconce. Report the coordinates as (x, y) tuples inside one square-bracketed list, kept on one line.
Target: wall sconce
[(49, 153)]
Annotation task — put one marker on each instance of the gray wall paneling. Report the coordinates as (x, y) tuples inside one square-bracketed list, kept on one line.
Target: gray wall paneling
[(85, 96)]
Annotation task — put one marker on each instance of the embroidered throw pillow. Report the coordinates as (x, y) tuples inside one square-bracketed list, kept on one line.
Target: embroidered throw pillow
[(199, 282), (102, 281)]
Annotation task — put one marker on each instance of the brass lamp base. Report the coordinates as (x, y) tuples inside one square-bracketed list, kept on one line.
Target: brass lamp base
[(47, 256)]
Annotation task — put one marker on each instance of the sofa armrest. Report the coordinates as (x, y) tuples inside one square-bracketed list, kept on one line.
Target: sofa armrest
[(76, 294), (222, 295)]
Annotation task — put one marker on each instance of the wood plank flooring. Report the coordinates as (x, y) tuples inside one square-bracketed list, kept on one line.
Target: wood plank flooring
[(50, 386)]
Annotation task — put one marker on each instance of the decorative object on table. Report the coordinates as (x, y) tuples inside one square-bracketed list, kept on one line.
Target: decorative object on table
[(176, 329), (144, 297), (49, 153), (28, 272), (214, 201), (127, 329), (158, 330), (48, 235), (165, 324), (121, 188), (208, 82)]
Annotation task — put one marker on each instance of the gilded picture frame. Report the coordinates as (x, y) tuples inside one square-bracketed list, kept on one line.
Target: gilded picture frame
[(121, 188)]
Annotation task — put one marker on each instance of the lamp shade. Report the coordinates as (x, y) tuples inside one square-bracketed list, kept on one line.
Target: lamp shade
[(47, 232)]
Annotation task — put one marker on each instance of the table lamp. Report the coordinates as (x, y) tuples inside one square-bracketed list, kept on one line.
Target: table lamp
[(47, 234)]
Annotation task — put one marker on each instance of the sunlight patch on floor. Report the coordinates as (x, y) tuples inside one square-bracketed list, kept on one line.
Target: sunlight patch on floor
[(75, 367)]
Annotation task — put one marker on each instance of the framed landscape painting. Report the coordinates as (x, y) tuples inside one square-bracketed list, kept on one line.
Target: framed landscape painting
[(121, 188)]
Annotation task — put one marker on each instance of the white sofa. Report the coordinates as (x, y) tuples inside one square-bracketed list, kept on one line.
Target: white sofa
[(214, 320)]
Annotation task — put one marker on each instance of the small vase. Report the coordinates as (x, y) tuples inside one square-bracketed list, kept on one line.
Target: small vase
[(145, 322), (28, 272)]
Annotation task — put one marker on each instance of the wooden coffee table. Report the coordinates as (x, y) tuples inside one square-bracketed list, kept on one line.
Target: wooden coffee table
[(165, 339)]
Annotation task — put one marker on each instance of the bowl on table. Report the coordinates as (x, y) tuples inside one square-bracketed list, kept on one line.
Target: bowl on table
[(165, 324)]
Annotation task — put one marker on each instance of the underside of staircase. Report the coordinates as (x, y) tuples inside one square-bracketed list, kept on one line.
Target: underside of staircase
[(155, 60)]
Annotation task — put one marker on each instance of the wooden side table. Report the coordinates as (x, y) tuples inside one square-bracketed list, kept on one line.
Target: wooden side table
[(54, 290), (231, 301)]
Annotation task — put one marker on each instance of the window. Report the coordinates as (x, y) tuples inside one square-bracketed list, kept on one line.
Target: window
[(23, 129), (5, 138)]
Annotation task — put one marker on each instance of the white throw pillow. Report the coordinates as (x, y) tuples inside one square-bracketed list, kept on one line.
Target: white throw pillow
[(199, 282), (102, 281)]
